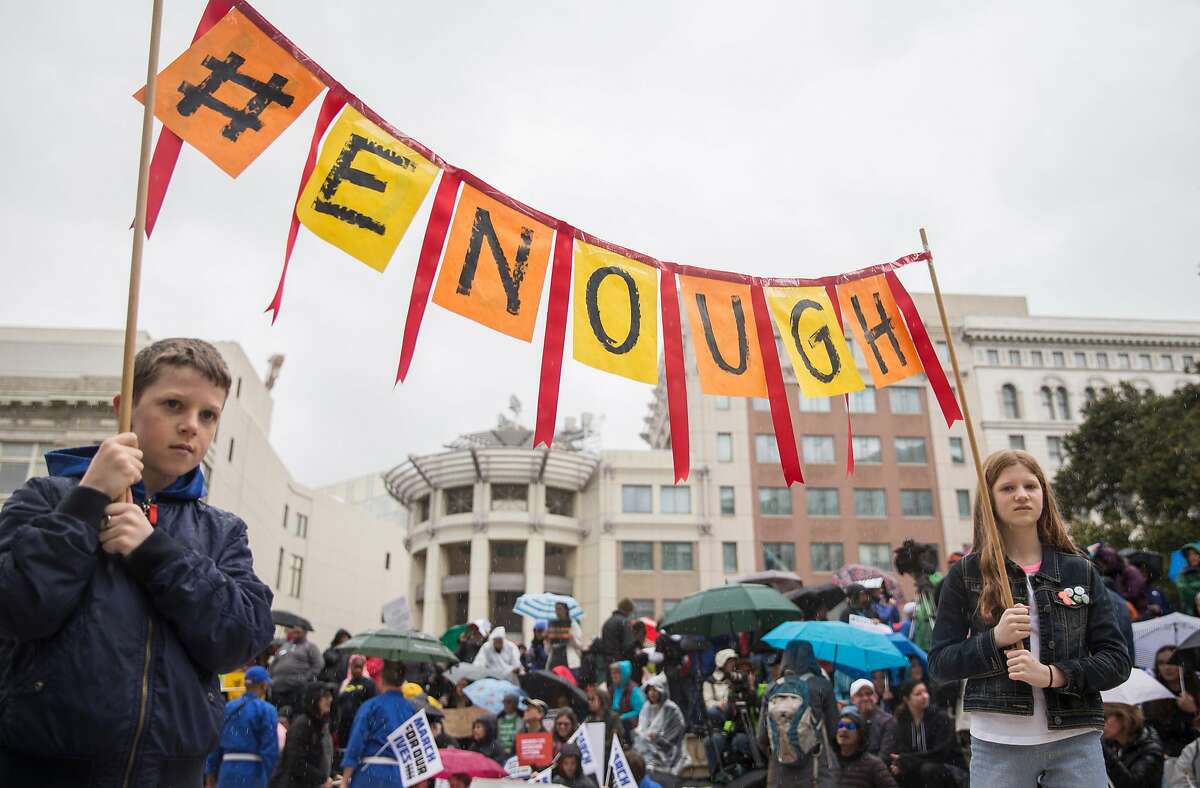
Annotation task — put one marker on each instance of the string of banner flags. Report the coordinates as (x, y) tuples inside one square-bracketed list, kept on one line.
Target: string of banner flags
[(243, 82)]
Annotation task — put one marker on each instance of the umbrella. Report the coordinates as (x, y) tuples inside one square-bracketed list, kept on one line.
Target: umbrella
[(473, 672), (489, 693), (1140, 687), (825, 595), (837, 642), (456, 761), (731, 608), (1151, 635), (450, 636), (399, 646), (1152, 561), (1188, 652), (775, 578), (544, 685), (855, 573), (283, 618), (541, 606)]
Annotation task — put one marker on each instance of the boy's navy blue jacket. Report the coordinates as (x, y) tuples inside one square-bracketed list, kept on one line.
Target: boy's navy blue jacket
[(111, 671)]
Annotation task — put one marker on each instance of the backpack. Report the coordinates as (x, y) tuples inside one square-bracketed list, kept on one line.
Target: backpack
[(794, 726)]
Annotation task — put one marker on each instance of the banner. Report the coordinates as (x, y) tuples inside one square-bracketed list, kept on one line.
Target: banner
[(813, 338), (588, 761), (544, 777), (871, 312), (618, 768), (415, 749), (616, 314), (724, 337)]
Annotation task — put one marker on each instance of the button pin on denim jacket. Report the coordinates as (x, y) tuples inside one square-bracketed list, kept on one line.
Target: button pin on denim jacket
[(1074, 596)]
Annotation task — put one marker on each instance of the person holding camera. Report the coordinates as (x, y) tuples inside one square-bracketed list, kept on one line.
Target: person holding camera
[(722, 689)]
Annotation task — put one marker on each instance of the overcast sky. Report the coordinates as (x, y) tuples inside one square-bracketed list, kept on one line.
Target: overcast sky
[(1051, 149)]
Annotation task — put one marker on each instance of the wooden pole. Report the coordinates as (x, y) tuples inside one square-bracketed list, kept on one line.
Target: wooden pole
[(985, 495), (125, 416)]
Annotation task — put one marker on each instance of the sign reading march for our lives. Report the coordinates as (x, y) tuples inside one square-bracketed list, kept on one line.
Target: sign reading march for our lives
[(618, 766), (415, 749), (588, 761)]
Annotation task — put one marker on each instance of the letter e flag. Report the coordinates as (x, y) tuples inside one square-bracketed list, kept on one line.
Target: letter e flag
[(365, 189), (232, 93)]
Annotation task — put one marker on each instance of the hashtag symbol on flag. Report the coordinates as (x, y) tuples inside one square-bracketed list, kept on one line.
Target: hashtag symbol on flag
[(222, 71)]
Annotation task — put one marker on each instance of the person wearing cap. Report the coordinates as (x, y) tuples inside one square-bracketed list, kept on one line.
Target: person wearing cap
[(720, 695), (858, 768), (879, 734), (858, 603), (368, 761), (248, 747), (536, 655)]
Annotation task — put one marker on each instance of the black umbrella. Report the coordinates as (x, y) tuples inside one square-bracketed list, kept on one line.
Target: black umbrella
[(1152, 561), (1187, 653), (283, 618), (826, 595), (550, 687)]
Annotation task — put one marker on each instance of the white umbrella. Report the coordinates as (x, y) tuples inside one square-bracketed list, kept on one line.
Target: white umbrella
[(1169, 630), (1139, 688)]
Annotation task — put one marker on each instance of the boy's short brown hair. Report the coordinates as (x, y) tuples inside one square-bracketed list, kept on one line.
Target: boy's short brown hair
[(179, 352)]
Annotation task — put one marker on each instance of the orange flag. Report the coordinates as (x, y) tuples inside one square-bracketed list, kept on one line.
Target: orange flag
[(870, 311), (495, 265), (724, 337)]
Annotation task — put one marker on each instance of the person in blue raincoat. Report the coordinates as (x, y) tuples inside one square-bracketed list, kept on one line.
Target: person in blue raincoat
[(249, 745), (369, 761)]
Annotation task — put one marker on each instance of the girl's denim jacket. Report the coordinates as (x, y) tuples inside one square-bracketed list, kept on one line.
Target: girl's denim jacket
[(1078, 634)]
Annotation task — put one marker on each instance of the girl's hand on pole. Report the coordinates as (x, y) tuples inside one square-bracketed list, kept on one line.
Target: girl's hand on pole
[(1013, 627), (1023, 667)]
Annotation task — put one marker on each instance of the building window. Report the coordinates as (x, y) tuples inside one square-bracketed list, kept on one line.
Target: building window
[(231, 450), (1047, 403), (285, 516), (964, 503), (1035, 358), (637, 556), (1102, 360), (560, 502), (635, 499), (721, 403), (1016, 442), (421, 508), (822, 501), (761, 404), (1123, 361), (1188, 363), (668, 606), (1058, 359), (1008, 395), (459, 500), (1089, 395), (724, 447), (780, 556), (677, 557), (916, 503), (870, 503), (774, 501), (1064, 403), (729, 562), (818, 449), (956, 451), (297, 575), (727, 501), (993, 357), (868, 450), (1143, 361), (1081, 360), (279, 571), (911, 451), (643, 608), (510, 497), (302, 525), (905, 399), (556, 560), (1014, 358), (826, 556), (814, 404), (863, 401), (876, 554), (675, 500), (1167, 362), (943, 350), (1054, 449), (766, 448)]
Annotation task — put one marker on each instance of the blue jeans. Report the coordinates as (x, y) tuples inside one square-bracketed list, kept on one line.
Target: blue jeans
[(1077, 762)]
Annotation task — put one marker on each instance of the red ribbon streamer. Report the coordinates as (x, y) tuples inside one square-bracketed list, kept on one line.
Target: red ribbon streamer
[(781, 416), (556, 334), (166, 150), (431, 252), (929, 359), (677, 407), (330, 107), (831, 291)]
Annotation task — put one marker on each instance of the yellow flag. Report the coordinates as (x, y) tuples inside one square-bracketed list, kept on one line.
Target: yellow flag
[(814, 341), (616, 314), (365, 189)]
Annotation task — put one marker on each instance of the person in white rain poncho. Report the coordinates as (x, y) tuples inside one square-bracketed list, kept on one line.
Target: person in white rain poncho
[(499, 655), (659, 734)]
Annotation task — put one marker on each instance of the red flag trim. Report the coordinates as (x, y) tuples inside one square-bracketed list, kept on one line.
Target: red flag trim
[(929, 359), (556, 334), (677, 406), (781, 415)]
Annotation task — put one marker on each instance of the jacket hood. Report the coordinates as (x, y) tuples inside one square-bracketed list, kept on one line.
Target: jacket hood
[(498, 632), (659, 682), (626, 668), (73, 463), (798, 659)]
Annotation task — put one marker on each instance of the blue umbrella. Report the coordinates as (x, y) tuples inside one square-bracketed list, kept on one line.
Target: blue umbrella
[(541, 606), (908, 648), (839, 643), (489, 693)]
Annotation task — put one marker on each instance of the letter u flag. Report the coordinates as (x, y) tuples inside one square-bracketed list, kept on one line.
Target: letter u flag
[(724, 337), (616, 314), (495, 265), (809, 327), (870, 311)]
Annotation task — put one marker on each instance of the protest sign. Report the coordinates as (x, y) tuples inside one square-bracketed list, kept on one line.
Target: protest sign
[(588, 761), (534, 749), (618, 767), (415, 749)]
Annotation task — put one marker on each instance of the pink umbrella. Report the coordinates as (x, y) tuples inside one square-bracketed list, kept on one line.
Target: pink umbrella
[(855, 573), (455, 761)]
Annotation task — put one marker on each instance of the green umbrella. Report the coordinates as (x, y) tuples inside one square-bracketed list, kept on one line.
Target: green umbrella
[(450, 636), (397, 646), (731, 608)]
